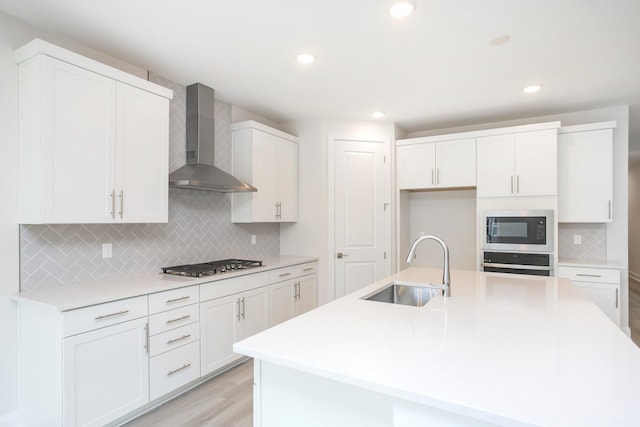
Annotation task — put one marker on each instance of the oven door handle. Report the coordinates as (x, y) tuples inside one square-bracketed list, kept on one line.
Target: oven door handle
[(517, 266)]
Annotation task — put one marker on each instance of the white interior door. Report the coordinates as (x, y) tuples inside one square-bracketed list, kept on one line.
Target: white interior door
[(362, 213)]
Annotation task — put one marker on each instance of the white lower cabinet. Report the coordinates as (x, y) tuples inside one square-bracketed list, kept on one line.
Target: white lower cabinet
[(294, 295), (173, 369), (225, 319), (601, 284), (105, 373)]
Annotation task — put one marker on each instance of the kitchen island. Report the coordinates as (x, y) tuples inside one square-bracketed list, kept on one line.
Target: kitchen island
[(502, 350)]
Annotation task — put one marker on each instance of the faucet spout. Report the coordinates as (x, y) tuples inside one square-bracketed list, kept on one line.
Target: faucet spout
[(446, 280)]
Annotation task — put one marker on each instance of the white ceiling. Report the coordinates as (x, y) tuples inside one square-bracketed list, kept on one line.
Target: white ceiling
[(434, 69)]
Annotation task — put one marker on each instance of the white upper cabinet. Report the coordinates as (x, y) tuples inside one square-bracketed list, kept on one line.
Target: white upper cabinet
[(93, 149), (517, 164), (442, 164), (585, 173), (267, 159)]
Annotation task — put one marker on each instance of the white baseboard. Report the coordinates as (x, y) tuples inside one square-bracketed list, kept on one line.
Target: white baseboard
[(9, 420)]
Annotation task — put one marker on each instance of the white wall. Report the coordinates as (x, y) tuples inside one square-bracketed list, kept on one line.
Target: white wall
[(618, 229), (13, 34), (310, 235)]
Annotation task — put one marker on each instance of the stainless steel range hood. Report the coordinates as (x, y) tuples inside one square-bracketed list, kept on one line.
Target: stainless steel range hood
[(199, 172)]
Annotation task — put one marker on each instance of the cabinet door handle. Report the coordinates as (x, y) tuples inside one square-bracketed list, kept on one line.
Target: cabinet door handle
[(182, 368), (616, 297), (438, 176), (432, 177), (171, 301), (511, 184), (146, 338), (517, 184), (609, 209), (243, 307), (238, 303), (121, 203), (113, 204), (107, 316), (185, 317), (175, 340), (588, 275)]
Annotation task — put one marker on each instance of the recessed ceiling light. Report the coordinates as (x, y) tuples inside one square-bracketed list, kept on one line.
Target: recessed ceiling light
[(402, 8), (377, 114), (532, 88), (305, 58)]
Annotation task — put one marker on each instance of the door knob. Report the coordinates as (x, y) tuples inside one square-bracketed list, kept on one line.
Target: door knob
[(340, 255)]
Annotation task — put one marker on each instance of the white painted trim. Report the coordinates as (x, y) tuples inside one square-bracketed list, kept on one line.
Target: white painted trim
[(589, 126), (252, 124), (331, 140), (10, 420), (480, 133), (41, 47)]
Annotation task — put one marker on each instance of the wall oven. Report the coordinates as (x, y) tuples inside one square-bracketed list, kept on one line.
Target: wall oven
[(518, 230), (518, 242)]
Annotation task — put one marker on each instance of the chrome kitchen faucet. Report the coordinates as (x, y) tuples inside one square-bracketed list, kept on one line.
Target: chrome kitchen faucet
[(446, 281)]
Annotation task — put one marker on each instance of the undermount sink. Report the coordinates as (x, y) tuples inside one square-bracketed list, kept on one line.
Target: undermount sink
[(405, 293)]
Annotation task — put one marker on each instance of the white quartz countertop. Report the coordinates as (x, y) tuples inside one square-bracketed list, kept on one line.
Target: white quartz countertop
[(91, 293), (507, 349)]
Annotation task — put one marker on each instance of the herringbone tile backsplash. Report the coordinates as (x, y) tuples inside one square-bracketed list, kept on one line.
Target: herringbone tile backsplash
[(199, 227), (594, 242)]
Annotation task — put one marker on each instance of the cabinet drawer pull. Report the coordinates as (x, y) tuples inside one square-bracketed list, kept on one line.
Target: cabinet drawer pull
[(182, 368), (308, 269), (107, 316), (178, 319), (171, 301), (588, 275), (284, 275), (184, 337)]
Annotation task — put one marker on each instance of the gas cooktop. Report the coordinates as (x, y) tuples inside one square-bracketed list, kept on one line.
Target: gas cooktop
[(210, 268)]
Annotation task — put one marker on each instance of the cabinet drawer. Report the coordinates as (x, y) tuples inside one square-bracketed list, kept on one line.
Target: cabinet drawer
[(175, 338), (287, 273), (594, 275), (163, 301), (172, 319), (173, 369), (101, 315), (234, 285)]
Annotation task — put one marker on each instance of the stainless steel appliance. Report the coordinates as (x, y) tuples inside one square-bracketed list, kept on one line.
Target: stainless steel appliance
[(518, 230), (210, 268), (536, 264)]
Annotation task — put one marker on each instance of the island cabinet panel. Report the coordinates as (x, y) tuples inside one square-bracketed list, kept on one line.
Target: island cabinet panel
[(93, 149), (292, 292), (585, 175), (267, 159), (520, 164), (601, 284), (444, 164)]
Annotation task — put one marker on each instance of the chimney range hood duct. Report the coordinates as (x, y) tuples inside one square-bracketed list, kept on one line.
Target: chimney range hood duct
[(199, 172)]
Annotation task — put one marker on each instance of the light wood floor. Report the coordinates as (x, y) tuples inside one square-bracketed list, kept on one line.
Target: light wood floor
[(634, 310), (223, 401)]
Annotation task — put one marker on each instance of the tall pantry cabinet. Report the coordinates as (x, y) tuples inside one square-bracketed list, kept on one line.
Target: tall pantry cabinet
[(94, 141)]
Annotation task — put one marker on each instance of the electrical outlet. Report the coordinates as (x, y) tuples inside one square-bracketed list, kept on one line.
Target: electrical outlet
[(107, 250), (253, 239), (577, 239)]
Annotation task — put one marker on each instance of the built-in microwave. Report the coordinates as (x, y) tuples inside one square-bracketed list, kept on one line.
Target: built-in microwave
[(518, 230)]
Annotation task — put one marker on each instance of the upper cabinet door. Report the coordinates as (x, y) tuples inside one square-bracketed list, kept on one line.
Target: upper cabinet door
[(287, 180), (416, 166), (456, 163), (495, 166), (67, 150), (142, 131), (536, 165), (585, 176)]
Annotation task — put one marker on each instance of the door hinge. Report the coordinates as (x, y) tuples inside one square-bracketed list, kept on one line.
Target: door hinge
[(384, 206)]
